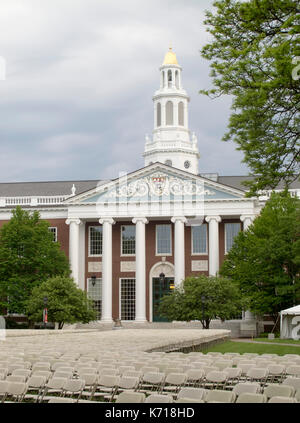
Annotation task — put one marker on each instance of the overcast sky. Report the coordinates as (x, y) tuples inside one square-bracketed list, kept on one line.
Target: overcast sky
[(80, 74)]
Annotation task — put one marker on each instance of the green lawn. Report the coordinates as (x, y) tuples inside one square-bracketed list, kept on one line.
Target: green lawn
[(244, 347), (278, 340)]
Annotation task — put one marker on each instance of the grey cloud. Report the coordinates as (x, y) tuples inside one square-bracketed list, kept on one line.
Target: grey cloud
[(80, 78)]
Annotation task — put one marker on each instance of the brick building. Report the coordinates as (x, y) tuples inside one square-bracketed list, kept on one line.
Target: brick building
[(132, 239)]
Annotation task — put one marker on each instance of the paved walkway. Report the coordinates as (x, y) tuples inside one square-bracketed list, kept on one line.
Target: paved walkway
[(128, 340), (262, 342)]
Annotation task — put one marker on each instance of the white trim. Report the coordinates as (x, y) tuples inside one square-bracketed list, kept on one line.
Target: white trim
[(151, 284), (171, 246), (56, 232), (120, 279), (225, 235), (121, 243), (199, 254), (89, 241)]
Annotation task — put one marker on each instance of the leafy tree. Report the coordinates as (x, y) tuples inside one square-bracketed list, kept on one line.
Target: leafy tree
[(222, 300), (254, 52), (28, 256), (66, 303), (265, 260)]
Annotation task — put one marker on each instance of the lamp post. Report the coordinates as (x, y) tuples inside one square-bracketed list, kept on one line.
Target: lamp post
[(203, 298), (45, 313)]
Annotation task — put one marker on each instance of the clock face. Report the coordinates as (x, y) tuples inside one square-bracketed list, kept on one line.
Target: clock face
[(187, 164)]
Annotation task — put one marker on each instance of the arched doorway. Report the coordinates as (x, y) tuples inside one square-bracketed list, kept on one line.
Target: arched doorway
[(159, 287)]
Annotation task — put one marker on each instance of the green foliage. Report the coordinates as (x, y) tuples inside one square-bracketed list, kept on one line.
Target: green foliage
[(66, 303), (249, 347), (265, 260), (254, 51), (28, 256), (222, 300)]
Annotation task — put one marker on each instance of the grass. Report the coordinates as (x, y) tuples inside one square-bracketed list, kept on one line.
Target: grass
[(244, 347), (278, 340)]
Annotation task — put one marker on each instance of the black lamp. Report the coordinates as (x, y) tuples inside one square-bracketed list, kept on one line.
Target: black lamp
[(162, 277), (93, 280)]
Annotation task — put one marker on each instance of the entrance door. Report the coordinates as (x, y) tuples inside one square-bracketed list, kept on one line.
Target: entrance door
[(159, 290)]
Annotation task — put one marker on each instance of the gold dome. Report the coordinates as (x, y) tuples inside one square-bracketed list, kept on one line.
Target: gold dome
[(170, 58)]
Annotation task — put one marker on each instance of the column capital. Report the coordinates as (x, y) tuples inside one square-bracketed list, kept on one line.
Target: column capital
[(144, 220), (178, 219), (73, 220), (216, 218), (244, 217), (107, 220)]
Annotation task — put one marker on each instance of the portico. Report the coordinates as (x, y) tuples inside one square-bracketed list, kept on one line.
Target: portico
[(153, 216)]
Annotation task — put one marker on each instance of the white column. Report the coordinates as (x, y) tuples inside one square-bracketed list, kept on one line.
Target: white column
[(175, 110), (247, 221), (74, 246), (179, 260), (107, 269), (213, 243), (140, 271)]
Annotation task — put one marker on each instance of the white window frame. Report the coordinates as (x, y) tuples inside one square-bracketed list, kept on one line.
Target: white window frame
[(121, 243), (171, 247), (87, 290), (89, 242), (120, 299), (192, 244), (53, 227), (225, 234)]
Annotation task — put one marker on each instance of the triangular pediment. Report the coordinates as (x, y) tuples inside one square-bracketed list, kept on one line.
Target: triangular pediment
[(157, 183)]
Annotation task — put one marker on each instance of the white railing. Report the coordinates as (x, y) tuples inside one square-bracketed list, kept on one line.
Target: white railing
[(32, 201)]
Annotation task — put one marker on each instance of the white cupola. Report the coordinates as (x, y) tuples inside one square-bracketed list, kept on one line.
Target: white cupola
[(171, 143)]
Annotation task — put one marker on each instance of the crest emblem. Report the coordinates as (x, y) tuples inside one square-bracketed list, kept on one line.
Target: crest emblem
[(158, 184)]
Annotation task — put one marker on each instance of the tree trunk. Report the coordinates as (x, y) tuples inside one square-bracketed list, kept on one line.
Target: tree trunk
[(60, 325)]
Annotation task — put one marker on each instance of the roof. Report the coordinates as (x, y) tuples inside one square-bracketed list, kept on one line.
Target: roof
[(293, 310), (48, 188), (170, 58), (236, 182), (52, 188)]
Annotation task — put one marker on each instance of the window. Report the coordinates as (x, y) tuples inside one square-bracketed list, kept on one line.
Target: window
[(231, 231), (158, 114), (127, 299), (169, 113), (199, 239), (95, 240), (177, 79), (128, 239), (163, 239), (169, 78), (54, 233), (181, 114), (168, 162), (95, 294)]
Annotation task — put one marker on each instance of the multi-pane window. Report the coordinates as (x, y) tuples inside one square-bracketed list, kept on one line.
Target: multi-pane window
[(95, 240), (128, 239), (231, 231), (163, 239), (127, 299), (199, 239), (95, 294), (54, 233)]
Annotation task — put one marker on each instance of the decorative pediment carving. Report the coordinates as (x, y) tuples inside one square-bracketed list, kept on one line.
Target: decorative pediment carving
[(159, 184)]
